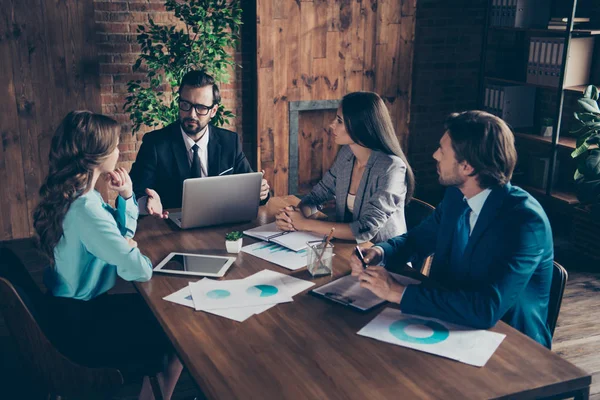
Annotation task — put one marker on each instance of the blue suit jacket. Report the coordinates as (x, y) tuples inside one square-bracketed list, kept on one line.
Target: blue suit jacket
[(506, 271)]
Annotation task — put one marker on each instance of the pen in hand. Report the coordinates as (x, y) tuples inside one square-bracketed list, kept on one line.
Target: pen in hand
[(360, 256)]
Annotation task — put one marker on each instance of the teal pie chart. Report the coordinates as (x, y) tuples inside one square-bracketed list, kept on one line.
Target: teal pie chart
[(262, 291), (439, 331), (218, 294)]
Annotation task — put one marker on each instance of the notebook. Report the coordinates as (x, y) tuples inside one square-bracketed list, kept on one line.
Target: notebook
[(295, 241), (347, 291)]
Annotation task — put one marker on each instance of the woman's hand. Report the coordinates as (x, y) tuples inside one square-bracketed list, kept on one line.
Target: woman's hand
[(283, 221), (381, 283), (119, 181), (297, 218)]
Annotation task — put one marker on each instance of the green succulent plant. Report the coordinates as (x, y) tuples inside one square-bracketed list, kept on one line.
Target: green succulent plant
[(587, 152), (211, 28), (233, 236)]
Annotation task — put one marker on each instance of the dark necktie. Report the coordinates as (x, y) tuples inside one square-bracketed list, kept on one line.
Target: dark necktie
[(196, 169), (461, 237)]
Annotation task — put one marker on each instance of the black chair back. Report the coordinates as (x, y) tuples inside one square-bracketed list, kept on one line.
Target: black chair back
[(559, 281), (415, 212), (22, 306)]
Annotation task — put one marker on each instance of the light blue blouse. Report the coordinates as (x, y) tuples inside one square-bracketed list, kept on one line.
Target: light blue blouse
[(94, 250)]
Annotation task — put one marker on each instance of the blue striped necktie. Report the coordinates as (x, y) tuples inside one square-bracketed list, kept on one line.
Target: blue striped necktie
[(461, 237)]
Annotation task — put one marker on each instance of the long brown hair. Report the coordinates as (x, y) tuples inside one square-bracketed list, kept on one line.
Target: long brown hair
[(486, 143), (368, 123), (81, 143)]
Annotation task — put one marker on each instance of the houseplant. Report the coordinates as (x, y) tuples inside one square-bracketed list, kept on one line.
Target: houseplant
[(587, 152), (233, 241), (208, 29)]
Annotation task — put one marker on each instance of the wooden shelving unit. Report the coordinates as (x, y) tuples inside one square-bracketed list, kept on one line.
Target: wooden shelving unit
[(565, 197), (566, 142)]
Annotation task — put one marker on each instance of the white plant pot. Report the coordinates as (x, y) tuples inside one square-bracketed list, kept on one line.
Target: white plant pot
[(546, 131), (234, 246)]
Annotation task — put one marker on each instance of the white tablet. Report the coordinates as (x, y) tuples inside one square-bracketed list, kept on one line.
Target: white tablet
[(195, 264)]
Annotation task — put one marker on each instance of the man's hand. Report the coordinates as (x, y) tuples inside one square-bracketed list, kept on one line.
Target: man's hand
[(154, 206), (264, 188), (381, 283), (119, 181), (373, 256)]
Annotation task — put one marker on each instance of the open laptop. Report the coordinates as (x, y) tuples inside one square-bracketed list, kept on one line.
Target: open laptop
[(218, 200)]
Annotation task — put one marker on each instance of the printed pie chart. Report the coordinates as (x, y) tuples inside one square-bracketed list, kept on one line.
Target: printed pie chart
[(262, 290), (218, 294), (419, 331)]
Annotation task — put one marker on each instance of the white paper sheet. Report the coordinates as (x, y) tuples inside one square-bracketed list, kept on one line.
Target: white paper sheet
[(293, 286), (277, 254), (210, 295), (469, 346)]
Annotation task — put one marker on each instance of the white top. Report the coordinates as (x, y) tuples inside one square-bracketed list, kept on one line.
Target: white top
[(350, 202), (476, 204), (202, 151)]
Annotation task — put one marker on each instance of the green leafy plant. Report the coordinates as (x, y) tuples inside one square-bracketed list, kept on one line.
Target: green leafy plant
[(233, 236), (211, 27), (587, 151), (547, 122)]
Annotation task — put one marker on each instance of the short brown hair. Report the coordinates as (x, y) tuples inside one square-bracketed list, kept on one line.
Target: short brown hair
[(198, 79), (486, 143)]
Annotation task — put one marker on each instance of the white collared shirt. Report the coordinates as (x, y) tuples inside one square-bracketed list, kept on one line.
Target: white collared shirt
[(476, 204), (202, 151)]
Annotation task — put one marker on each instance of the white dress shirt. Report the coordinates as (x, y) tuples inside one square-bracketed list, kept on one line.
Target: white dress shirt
[(202, 151), (476, 204)]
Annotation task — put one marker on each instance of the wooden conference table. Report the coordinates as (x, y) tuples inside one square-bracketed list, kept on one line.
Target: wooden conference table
[(309, 349)]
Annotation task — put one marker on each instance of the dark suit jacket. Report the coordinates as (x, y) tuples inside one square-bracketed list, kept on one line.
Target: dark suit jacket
[(506, 271), (162, 163)]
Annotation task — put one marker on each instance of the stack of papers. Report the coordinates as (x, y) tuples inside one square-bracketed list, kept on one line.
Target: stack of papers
[(295, 241), (277, 254), (241, 298)]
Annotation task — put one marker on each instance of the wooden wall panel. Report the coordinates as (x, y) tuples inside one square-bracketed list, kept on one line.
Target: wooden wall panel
[(321, 50), (48, 67), (316, 147)]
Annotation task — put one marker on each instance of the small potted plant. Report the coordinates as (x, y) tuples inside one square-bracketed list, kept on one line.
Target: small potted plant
[(233, 241)]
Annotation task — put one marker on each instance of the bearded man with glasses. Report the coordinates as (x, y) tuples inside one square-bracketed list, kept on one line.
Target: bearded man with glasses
[(188, 148)]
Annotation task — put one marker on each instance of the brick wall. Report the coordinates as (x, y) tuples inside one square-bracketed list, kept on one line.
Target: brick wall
[(116, 23), (445, 79)]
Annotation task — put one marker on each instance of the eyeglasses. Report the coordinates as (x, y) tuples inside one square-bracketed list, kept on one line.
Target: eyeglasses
[(201, 109)]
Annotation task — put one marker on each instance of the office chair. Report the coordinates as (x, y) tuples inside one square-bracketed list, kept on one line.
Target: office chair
[(414, 213), (557, 289), (22, 305)]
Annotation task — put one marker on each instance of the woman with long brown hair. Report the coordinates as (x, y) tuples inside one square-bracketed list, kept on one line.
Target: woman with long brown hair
[(89, 243), (370, 177)]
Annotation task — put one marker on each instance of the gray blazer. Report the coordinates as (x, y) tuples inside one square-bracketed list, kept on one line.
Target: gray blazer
[(379, 204)]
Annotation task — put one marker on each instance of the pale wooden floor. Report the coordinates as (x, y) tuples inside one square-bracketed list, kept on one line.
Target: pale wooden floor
[(577, 336)]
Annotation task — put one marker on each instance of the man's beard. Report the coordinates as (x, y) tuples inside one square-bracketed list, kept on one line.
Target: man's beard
[(453, 180), (194, 129)]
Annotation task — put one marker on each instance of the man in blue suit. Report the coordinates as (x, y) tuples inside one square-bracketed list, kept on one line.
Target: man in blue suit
[(492, 241)]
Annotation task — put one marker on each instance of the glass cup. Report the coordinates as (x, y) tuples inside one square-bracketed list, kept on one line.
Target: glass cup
[(320, 259)]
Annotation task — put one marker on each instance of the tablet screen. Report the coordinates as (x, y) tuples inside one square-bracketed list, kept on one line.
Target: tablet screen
[(197, 264)]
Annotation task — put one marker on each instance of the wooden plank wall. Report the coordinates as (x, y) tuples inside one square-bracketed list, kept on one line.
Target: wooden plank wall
[(48, 67), (316, 147), (321, 50)]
